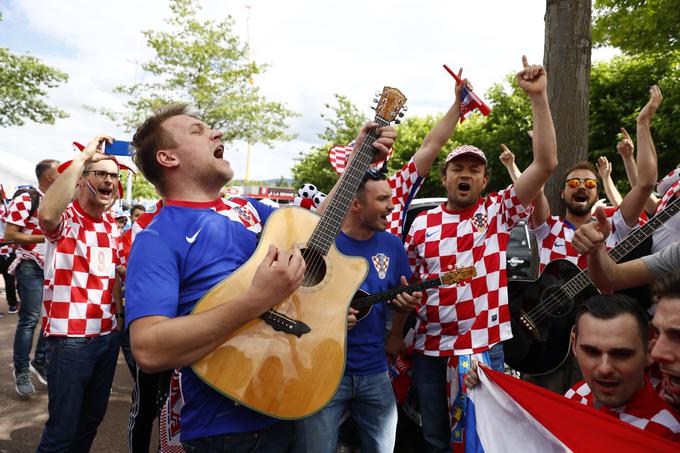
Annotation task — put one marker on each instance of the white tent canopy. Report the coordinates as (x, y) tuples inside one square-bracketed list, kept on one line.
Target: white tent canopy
[(15, 171)]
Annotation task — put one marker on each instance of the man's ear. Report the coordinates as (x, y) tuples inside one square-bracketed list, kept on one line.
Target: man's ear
[(356, 205), (572, 339), (648, 352), (167, 158)]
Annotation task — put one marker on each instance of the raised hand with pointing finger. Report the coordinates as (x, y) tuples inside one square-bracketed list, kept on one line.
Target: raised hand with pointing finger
[(532, 78)]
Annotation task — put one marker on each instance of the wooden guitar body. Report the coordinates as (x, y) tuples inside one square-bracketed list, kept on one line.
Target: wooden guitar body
[(274, 372)]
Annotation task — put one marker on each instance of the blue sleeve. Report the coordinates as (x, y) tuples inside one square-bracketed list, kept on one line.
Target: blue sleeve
[(152, 280), (263, 210)]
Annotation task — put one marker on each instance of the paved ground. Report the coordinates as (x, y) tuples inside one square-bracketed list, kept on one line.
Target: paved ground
[(22, 421)]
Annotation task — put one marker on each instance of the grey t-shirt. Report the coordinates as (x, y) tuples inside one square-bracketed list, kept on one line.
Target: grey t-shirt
[(664, 261)]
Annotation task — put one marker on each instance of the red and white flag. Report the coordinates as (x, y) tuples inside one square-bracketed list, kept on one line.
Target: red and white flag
[(513, 415)]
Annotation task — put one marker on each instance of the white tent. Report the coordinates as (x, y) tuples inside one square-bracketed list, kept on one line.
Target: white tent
[(15, 171)]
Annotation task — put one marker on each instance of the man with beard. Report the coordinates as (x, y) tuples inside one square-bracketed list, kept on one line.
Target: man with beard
[(470, 230), (555, 234)]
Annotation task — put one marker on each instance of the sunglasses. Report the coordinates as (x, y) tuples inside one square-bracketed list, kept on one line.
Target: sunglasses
[(588, 183), (101, 174)]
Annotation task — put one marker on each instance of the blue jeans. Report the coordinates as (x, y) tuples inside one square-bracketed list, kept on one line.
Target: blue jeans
[(429, 380), (30, 287), (372, 405), (276, 438), (79, 377)]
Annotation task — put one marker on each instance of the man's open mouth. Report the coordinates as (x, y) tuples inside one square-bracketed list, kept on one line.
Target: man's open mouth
[(219, 152), (580, 198), (105, 191), (463, 186)]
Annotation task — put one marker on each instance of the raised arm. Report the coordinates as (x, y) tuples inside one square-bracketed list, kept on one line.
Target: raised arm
[(60, 193), (604, 168), (440, 133), (635, 200), (507, 158), (532, 79)]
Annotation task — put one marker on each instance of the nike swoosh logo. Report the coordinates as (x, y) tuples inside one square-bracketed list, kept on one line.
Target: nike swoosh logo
[(191, 239), (427, 235)]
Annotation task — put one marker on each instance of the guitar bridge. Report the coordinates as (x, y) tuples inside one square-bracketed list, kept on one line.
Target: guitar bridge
[(282, 323), (529, 326)]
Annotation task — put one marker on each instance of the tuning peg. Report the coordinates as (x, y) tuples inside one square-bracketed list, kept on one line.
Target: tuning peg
[(375, 100), (405, 108), (377, 94), (397, 122), (373, 107), (401, 114)]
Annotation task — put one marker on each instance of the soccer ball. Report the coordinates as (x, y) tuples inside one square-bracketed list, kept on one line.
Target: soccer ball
[(307, 191), (318, 198)]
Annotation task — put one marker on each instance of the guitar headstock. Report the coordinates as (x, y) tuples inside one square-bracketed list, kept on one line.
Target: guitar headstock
[(458, 275), (390, 105)]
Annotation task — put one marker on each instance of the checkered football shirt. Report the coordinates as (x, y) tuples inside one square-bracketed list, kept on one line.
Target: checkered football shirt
[(18, 214), (5, 250), (555, 237), (646, 410), (471, 317), (405, 184), (82, 255)]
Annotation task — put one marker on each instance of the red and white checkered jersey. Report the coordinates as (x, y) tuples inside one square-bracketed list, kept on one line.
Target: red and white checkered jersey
[(472, 317), (82, 255), (645, 410), (5, 250), (555, 236), (405, 184), (18, 214)]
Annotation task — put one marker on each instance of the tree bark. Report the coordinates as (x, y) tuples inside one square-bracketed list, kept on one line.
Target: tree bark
[(567, 60)]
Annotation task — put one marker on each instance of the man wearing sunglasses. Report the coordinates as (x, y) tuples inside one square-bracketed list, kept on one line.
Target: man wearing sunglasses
[(79, 315), (579, 194)]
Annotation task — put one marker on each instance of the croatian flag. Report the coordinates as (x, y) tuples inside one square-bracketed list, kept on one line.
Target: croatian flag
[(505, 414)]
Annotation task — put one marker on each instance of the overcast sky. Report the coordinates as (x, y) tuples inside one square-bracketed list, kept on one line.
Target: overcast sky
[(314, 49)]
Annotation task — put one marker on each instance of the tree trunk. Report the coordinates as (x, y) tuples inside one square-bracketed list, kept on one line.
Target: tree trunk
[(567, 60)]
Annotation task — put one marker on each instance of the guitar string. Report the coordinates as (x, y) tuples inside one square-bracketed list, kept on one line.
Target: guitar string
[(325, 228), (581, 280)]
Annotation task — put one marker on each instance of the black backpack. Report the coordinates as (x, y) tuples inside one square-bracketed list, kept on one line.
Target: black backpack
[(35, 198)]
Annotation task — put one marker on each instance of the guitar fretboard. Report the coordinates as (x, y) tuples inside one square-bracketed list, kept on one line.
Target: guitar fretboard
[(623, 248), (336, 211), (392, 294)]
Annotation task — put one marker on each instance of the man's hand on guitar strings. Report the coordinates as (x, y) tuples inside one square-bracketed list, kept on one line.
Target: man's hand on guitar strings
[(277, 277), (593, 234), (406, 302)]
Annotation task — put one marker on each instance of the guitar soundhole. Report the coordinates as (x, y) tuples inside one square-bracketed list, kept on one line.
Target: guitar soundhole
[(316, 267), (555, 303)]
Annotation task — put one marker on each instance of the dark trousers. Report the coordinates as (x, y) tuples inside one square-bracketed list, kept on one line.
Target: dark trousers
[(79, 378), (277, 438), (148, 395), (10, 284)]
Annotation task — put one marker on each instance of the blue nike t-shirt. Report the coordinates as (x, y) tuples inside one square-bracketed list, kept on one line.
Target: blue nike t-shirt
[(387, 262), (185, 251)]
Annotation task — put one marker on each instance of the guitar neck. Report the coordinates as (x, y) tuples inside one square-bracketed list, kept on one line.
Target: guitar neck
[(336, 211), (392, 293), (623, 248)]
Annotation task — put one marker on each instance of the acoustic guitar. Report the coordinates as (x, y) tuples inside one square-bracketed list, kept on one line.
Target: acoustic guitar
[(363, 301), (289, 362), (542, 311)]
